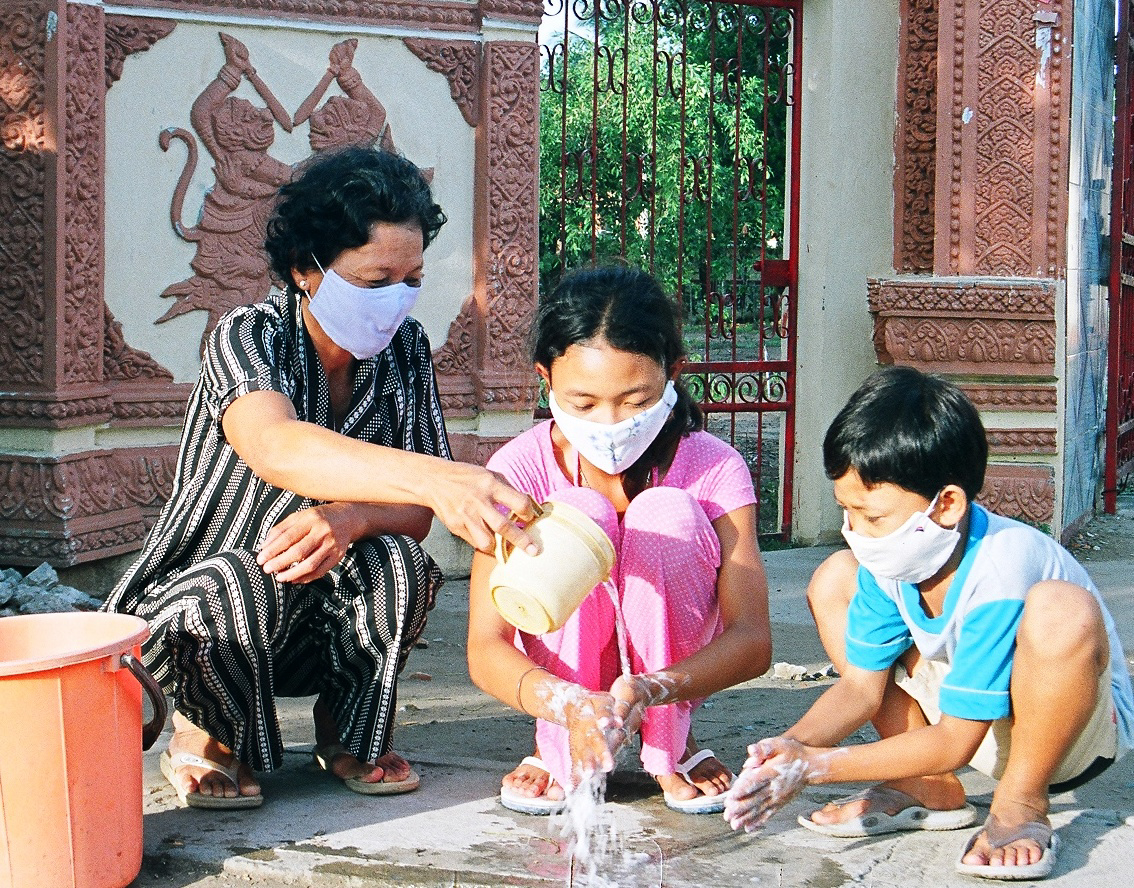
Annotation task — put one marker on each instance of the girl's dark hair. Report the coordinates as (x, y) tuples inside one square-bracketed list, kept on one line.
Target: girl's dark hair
[(628, 309), (908, 428), (334, 200)]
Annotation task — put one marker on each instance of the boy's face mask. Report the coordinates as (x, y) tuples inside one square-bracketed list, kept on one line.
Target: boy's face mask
[(910, 554), (614, 448)]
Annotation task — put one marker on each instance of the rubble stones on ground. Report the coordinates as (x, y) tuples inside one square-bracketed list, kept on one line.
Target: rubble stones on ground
[(40, 592), (792, 672)]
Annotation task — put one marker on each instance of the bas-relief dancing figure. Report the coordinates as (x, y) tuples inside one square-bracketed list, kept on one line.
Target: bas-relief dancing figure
[(356, 117), (230, 268)]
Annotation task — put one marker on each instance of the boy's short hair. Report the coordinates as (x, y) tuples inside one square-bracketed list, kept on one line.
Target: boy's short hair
[(911, 429)]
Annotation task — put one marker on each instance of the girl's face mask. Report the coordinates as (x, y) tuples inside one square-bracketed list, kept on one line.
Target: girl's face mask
[(361, 320), (910, 554), (613, 448)]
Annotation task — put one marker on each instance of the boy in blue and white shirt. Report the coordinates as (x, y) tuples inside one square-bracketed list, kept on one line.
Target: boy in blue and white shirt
[(963, 636)]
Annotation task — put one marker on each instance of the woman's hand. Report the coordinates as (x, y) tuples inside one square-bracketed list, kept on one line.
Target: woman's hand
[(307, 544), (774, 773), (465, 498)]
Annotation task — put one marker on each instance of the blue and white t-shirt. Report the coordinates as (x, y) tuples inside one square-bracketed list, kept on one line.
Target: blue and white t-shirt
[(976, 632)]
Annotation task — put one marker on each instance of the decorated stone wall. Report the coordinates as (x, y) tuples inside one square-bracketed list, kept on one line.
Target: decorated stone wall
[(138, 157)]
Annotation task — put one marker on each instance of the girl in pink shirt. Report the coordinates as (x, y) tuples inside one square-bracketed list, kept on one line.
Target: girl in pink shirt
[(626, 446)]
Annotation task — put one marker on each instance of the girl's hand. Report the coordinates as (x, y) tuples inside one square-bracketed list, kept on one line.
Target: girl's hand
[(774, 773), (307, 544), (636, 693), (595, 733)]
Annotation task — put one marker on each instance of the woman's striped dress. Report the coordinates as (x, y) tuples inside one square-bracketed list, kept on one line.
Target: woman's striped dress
[(226, 638)]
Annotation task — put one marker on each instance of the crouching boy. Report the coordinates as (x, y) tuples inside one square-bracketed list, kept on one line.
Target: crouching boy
[(964, 636)]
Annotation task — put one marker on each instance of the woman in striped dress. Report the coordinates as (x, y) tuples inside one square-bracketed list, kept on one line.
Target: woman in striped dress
[(287, 561)]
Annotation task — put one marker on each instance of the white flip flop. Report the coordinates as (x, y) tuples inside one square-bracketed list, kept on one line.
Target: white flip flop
[(999, 836), (699, 804), (911, 815), (539, 805), (323, 756), (171, 764)]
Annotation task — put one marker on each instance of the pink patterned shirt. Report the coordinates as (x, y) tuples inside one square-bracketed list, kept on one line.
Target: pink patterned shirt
[(708, 469)]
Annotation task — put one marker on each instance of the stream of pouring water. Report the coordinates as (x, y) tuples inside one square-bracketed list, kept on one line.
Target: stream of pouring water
[(592, 837)]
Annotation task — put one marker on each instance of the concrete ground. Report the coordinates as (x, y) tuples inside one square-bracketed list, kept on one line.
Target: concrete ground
[(453, 831)]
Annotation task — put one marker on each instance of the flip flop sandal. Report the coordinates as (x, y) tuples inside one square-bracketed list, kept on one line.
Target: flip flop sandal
[(910, 814), (323, 756), (171, 765), (998, 837), (522, 804), (699, 804)]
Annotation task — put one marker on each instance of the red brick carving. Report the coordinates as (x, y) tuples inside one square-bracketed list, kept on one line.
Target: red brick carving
[(475, 448), (126, 35), (456, 361), (1016, 441), (25, 152), (460, 64), (1002, 133), (965, 327), (916, 138), (52, 411), (441, 15), (510, 201), (1024, 492), (100, 502), (84, 114), (122, 362), (1011, 397), (530, 11)]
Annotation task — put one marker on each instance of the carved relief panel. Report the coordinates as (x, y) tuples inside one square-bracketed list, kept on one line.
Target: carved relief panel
[(1001, 171)]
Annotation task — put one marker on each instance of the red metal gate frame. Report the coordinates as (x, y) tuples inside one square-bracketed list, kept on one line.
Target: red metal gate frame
[(777, 273), (1120, 349), (772, 381)]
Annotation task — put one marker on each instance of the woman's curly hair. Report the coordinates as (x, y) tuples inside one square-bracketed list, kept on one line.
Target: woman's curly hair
[(335, 199)]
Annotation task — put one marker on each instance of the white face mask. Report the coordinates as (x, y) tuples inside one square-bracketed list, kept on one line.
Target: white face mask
[(614, 448), (361, 320), (910, 554)]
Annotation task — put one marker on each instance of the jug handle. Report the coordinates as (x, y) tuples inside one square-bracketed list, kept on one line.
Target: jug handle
[(503, 550), (150, 731)]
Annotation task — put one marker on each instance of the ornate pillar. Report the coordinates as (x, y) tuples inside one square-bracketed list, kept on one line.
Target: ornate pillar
[(980, 216), (63, 498), (484, 371)]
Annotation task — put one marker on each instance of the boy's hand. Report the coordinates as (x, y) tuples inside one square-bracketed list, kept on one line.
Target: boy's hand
[(774, 773)]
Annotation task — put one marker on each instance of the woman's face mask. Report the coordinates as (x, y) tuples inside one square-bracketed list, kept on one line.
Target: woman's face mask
[(361, 320), (613, 448), (912, 553)]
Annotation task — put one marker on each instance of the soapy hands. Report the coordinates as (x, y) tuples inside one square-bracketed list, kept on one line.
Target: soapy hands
[(776, 770), (600, 724)]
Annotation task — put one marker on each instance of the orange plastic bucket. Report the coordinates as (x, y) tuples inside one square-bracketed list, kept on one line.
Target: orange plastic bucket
[(71, 740)]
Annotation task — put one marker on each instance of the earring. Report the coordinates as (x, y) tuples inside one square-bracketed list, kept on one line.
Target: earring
[(303, 285)]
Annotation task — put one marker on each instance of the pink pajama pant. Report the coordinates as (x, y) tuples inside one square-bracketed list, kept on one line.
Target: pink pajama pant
[(665, 576)]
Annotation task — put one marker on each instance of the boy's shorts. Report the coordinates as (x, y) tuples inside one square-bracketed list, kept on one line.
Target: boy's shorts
[(1095, 748)]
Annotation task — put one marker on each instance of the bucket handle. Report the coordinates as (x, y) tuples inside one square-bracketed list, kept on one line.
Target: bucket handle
[(503, 549), (151, 730)]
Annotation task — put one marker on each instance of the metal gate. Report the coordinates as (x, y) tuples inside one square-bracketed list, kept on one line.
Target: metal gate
[(670, 135), (1120, 355)]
